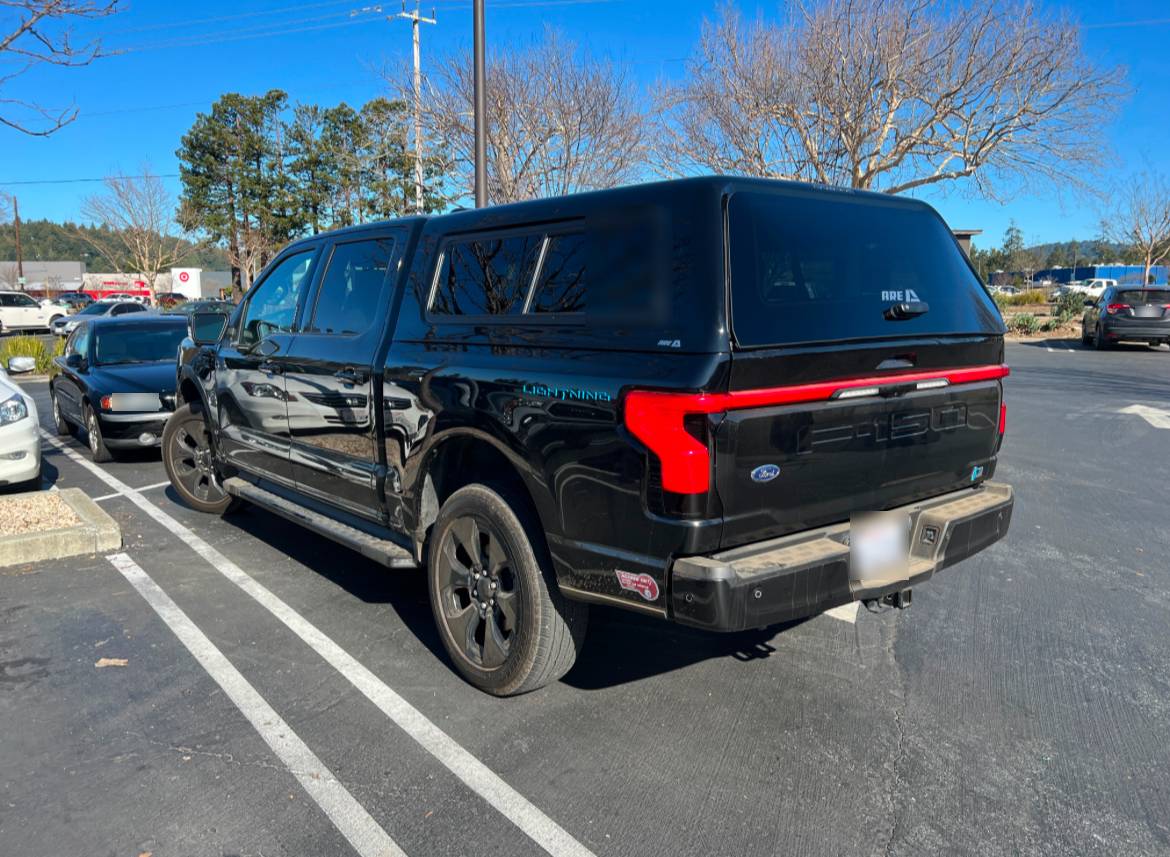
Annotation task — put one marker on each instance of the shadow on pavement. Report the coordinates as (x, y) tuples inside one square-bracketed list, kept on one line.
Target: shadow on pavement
[(621, 647)]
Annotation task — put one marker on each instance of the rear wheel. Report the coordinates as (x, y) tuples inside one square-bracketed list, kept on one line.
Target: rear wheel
[(97, 444), (500, 615), (190, 462), (1099, 340)]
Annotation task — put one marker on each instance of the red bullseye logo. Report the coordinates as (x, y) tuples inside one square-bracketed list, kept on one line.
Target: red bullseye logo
[(184, 276), (643, 584)]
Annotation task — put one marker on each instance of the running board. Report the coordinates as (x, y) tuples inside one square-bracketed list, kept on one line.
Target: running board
[(388, 553)]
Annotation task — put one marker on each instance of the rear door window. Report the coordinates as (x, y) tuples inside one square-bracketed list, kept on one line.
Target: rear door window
[(351, 288), (817, 267)]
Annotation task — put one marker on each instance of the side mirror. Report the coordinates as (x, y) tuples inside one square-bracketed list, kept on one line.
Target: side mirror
[(207, 328), (75, 361), (1090, 302)]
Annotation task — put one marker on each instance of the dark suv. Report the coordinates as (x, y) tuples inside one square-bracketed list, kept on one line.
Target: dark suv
[(675, 398), (1133, 313)]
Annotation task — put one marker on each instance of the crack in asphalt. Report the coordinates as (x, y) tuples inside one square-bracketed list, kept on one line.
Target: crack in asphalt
[(900, 730)]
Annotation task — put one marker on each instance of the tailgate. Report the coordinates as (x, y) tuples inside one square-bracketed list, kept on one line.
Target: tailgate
[(789, 467)]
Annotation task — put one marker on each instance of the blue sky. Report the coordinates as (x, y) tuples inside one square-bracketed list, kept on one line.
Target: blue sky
[(135, 106)]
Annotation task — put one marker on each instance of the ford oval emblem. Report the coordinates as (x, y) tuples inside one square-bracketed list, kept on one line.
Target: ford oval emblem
[(765, 473)]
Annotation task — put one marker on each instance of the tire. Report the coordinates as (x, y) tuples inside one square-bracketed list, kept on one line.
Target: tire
[(59, 422), (1085, 338), (1099, 340), (190, 462), (530, 642), (93, 434)]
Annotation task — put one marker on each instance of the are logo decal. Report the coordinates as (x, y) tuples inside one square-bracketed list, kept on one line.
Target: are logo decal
[(908, 295), (765, 473), (643, 584)]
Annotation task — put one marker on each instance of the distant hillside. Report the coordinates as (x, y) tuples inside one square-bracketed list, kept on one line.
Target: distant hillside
[(1063, 253), (50, 241)]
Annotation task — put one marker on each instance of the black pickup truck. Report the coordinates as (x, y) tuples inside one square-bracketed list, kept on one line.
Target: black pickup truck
[(678, 398)]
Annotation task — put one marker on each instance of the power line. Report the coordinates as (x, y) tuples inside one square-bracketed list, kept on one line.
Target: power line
[(78, 181), (219, 18)]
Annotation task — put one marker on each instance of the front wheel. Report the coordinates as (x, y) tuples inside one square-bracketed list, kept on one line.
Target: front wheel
[(500, 615), (59, 422), (190, 462), (97, 444)]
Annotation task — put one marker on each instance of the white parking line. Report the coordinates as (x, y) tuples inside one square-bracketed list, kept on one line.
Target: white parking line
[(845, 613), (475, 774), (361, 831), (121, 494)]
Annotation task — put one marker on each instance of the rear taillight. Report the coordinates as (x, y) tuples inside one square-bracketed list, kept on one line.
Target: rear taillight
[(1002, 418), (1114, 309), (666, 423), (105, 403)]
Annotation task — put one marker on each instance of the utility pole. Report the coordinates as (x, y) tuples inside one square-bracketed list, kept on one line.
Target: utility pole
[(19, 255), (480, 109), (415, 19)]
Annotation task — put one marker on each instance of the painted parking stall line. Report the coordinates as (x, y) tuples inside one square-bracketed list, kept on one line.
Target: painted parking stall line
[(120, 494), (350, 818), (477, 776), (1159, 418)]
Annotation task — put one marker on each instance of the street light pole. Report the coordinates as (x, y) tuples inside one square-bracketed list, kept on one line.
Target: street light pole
[(480, 110), (415, 19)]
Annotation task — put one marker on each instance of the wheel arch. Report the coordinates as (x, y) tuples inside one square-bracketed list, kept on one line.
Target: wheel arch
[(467, 456)]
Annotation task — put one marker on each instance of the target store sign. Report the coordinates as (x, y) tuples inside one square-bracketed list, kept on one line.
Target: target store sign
[(185, 281)]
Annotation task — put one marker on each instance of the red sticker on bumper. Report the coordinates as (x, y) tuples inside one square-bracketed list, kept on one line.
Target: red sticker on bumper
[(643, 584)]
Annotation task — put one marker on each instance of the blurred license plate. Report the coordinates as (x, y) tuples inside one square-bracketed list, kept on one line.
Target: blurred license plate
[(879, 546)]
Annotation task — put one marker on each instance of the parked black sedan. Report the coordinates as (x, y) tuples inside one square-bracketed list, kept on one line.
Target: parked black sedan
[(1127, 313), (116, 380)]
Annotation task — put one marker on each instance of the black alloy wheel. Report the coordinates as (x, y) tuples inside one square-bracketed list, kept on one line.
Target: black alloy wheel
[(478, 592), (500, 614), (190, 462)]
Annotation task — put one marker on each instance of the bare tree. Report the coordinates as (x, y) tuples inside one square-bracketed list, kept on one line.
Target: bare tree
[(1141, 219), (140, 235), (890, 95), (558, 121), (41, 34)]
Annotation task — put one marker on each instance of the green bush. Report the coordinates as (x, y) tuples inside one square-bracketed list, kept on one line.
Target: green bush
[(29, 346), (1031, 296), (1024, 323)]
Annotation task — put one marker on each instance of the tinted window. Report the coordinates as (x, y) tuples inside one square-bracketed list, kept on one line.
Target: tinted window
[(1143, 296), (79, 341), (809, 268), (123, 309), (96, 309), (273, 304), (489, 276), (561, 286), (351, 290), (137, 344)]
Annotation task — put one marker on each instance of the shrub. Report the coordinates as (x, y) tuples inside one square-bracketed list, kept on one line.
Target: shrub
[(29, 346), (1032, 296), (1024, 323)]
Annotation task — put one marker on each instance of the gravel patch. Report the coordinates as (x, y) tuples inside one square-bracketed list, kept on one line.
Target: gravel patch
[(35, 513)]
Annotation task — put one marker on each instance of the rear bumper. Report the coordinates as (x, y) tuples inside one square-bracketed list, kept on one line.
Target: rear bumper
[(807, 573), (1136, 329)]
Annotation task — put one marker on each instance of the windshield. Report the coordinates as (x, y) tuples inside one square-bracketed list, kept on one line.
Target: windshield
[(96, 309), (135, 344), (1144, 296), (815, 267)]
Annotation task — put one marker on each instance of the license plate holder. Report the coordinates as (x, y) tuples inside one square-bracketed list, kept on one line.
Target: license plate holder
[(879, 547)]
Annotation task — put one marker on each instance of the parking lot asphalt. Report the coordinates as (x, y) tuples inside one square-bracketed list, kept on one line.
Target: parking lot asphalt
[(1021, 706)]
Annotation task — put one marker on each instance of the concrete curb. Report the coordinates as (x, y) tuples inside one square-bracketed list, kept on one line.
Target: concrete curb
[(96, 533)]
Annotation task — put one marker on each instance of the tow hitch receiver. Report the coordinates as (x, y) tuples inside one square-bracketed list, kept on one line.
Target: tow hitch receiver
[(900, 599)]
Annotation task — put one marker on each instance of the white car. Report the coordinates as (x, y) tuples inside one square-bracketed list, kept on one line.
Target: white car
[(1093, 288), (20, 443), (19, 311), (65, 324)]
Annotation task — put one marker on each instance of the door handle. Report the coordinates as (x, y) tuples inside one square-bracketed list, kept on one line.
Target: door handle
[(349, 375), (271, 367)]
